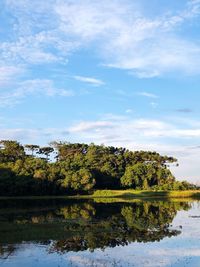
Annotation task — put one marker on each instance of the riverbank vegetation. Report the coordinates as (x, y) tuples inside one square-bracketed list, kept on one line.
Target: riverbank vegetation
[(68, 169), (146, 194)]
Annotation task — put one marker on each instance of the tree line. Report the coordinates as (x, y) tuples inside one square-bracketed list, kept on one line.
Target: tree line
[(66, 168)]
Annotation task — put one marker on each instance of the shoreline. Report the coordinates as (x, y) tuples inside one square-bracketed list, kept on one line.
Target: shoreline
[(122, 194)]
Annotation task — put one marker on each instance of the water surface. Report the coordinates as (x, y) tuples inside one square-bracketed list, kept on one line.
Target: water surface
[(58, 232)]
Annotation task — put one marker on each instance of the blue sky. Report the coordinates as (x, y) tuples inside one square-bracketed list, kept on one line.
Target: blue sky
[(123, 73)]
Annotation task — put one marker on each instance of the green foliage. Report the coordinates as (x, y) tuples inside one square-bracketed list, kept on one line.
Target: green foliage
[(145, 175), (81, 168), (11, 151), (81, 180)]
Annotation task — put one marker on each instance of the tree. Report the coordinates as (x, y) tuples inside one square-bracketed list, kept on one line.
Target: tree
[(81, 180), (46, 150), (32, 148), (11, 150), (134, 176)]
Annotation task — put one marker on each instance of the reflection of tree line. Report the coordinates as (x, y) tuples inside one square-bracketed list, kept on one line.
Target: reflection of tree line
[(141, 222), (82, 226)]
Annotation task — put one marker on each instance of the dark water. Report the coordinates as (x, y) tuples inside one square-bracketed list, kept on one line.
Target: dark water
[(92, 233)]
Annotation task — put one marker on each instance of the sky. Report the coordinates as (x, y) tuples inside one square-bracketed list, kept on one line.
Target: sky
[(118, 72)]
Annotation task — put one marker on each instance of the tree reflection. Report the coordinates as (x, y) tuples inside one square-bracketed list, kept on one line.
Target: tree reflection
[(141, 222), (78, 226)]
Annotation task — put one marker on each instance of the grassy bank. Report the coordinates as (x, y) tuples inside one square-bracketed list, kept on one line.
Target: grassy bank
[(123, 194), (130, 194)]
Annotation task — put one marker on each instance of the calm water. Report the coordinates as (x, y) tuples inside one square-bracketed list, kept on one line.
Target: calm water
[(58, 233)]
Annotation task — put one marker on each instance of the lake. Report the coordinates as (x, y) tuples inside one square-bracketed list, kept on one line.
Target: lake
[(60, 232)]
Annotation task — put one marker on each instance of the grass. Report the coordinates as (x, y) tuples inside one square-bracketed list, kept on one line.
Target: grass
[(145, 194), (123, 194)]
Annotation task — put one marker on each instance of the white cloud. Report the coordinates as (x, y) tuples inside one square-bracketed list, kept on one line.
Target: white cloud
[(8, 74), (89, 80), (39, 87), (43, 86), (125, 38), (88, 126), (40, 135), (146, 94), (87, 261), (181, 252), (40, 48), (129, 110), (129, 40), (128, 127)]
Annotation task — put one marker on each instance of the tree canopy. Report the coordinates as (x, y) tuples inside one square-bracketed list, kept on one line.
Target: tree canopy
[(65, 168)]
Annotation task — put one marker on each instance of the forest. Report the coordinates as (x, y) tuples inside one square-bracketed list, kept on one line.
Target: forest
[(64, 168)]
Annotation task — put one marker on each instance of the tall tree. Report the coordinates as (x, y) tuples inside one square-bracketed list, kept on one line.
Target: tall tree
[(11, 150), (32, 148), (46, 150)]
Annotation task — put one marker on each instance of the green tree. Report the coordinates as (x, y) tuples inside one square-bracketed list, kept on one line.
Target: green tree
[(46, 150), (81, 180), (32, 148), (134, 176), (11, 150)]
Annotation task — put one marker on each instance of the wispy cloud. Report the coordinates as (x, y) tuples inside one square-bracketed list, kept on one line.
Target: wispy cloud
[(89, 80), (8, 74), (90, 126), (146, 94), (40, 135), (129, 127), (40, 48), (129, 110), (132, 41), (123, 35), (36, 87)]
